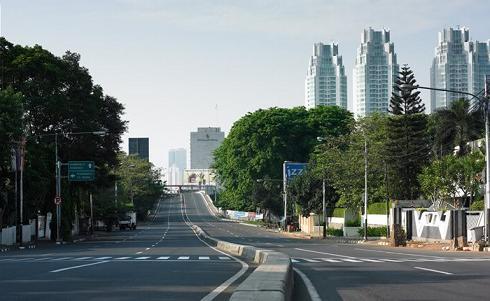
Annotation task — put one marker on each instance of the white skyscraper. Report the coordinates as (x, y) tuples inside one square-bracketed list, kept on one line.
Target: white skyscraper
[(374, 73), (177, 163), (326, 82), (459, 64)]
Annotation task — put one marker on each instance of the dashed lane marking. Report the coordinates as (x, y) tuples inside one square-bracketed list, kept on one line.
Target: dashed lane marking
[(183, 258)]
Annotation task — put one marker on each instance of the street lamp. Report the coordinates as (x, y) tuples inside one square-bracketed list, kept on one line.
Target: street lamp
[(406, 88)]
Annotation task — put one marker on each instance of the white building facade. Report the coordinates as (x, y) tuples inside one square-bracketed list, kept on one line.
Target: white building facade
[(203, 143), (326, 82), (459, 64), (374, 73)]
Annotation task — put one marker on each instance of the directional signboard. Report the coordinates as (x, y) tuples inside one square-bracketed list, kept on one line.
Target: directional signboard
[(81, 171), (293, 169)]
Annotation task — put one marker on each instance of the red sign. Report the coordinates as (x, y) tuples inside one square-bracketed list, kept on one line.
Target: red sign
[(57, 200)]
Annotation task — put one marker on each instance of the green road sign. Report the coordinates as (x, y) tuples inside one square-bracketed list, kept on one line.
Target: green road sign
[(81, 171)]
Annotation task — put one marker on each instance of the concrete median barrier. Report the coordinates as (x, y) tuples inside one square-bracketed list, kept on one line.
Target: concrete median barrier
[(272, 280)]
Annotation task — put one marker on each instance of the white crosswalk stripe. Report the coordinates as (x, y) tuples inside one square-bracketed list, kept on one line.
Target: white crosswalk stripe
[(384, 260), (124, 258)]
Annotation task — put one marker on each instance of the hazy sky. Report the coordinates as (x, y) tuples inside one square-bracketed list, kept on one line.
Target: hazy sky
[(177, 65)]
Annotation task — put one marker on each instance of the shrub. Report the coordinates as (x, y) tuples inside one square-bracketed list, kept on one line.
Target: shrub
[(478, 205), (373, 231), (377, 208), (354, 223), (335, 232), (338, 212)]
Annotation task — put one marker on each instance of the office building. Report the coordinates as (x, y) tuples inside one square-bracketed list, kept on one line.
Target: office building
[(459, 64), (177, 163), (375, 72), (140, 147), (326, 82), (203, 144)]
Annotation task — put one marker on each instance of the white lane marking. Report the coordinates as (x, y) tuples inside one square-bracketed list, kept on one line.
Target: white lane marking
[(139, 252), (325, 253), (314, 296), (163, 257), (78, 266), (329, 260), (203, 257), (370, 260), (294, 260), (102, 258), (310, 260), (398, 253), (62, 258), (41, 259), (147, 249), (223, 286), (83, 258), (142, 258), (183, 258), (350, 260), (431, 270), (392, 260), (122, 258), (224, 258)]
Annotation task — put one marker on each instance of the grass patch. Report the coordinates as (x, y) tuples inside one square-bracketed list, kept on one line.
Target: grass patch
[(377, 208)]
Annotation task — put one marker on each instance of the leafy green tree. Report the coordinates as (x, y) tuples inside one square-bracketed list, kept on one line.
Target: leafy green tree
[(261, 141), (11, 115), (341, 160), (452, 177), (455, 127), (140, 184), (408, 148), (60, 97)]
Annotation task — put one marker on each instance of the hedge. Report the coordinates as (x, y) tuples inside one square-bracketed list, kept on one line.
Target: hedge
[(377, 208), (335, 232), (477, 205), (373, 231), (338, 212)]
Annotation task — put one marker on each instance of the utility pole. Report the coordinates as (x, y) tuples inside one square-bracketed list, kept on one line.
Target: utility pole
[(91, 215), (58, 191), (365, 187), (285, 191), (487, 160), (324, 212)]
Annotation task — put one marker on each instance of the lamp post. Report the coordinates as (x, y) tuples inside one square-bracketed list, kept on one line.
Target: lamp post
[(406, 88)]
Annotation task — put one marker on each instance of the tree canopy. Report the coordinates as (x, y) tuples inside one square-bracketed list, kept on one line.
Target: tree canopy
[(261, 141)]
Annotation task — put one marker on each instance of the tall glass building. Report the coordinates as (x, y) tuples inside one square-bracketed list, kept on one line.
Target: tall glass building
[(326, 82), (459, 64), (374, 73)]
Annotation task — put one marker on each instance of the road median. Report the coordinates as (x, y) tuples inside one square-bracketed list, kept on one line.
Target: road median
[(271, 280)]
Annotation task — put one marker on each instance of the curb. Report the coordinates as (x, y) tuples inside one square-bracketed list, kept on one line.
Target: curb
[(271, 280)]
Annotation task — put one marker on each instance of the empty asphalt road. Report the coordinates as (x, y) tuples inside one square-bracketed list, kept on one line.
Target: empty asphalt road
[(161, 260), (362, 272)]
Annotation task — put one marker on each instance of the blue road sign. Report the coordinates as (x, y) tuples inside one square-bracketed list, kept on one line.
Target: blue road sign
[(293, 169)]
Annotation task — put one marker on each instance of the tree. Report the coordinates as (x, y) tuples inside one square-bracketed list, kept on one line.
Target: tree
[(306, 190), (59, 96), (453, 177), (140, 184), (341, 161), (408, 147), (261, 141), (455, 127), (11, 115)]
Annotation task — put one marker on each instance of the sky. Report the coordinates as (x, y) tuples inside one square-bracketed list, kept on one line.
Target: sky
[(179, 64)]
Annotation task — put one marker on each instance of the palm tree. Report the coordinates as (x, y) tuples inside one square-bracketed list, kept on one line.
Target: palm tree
[(455, 127)]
